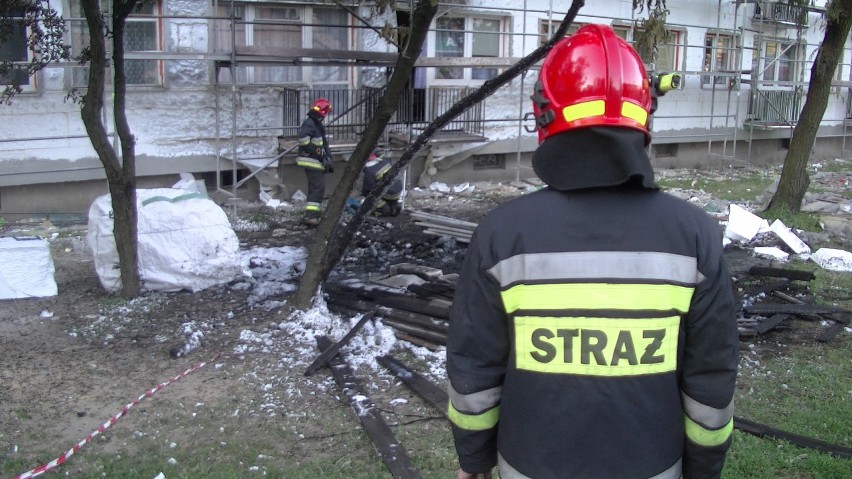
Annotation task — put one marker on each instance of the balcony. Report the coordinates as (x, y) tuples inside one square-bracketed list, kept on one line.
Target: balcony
[(780, 13), (770, 109), (353, 109)]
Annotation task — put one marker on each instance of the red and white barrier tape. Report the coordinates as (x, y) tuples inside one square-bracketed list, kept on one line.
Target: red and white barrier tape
[(103, 427)]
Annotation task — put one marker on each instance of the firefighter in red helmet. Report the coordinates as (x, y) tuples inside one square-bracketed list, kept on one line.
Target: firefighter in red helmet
[(315, 157), (593, 331)]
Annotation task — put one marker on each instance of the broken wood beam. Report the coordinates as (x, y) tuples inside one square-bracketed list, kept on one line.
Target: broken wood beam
[(782, 273), (433, 336), (433, 340), (414, 319), (327, 354), (761, 430), (770, 323), (393, 454), (438, 308), (417, 341), (427, 390), (798, 309)]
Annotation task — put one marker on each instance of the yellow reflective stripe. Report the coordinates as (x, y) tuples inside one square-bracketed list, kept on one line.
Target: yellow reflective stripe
[(313, 207), (707, 437), (584, 110), (317, 141), (637, 297), (634, 112), (596, 346), (474, 422), (308, 162), (305, 140), (382, 171)]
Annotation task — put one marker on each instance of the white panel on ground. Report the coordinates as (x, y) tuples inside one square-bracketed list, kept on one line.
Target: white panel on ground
[(26, 268)]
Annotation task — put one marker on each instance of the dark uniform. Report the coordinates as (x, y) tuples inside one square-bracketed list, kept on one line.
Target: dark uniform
[(592, 333), (374, 170), (592, 336), (315, 157)]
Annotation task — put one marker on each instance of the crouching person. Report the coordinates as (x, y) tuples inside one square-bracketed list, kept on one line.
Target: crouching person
[(374, 170)]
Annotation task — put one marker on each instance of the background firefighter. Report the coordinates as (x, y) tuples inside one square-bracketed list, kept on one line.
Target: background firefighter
[(374, 170), (592, 332), (315, 157)]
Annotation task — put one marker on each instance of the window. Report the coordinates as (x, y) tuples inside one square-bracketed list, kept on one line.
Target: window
[(468, 37), (719, 55), (142, 33), (668, 52), (546, 28), (270, 29), (778, 63), (15, 48)]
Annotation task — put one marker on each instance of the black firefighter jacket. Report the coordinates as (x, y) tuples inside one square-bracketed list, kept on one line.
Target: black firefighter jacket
[(314, 152), (592, 335)]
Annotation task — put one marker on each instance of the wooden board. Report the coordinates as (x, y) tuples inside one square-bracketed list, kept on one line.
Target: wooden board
[(393, 454)]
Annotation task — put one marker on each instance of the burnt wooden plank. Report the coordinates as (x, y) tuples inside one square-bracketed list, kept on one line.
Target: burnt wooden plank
[(761, 430), (417, 341), (393, 454), (770, 323), (437, 308), (799, 309), (414, 319), (762, 290), (326, 355), (830, 332), (427, 390), (782, 273), (431, 336)]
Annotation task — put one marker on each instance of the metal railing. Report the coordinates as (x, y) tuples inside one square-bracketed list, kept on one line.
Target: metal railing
[(780, 12), (849, 104), (353, 109), (775, 107)]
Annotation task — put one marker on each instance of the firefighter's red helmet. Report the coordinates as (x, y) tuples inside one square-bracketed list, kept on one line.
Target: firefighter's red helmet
[(322, 106), (592, 78)]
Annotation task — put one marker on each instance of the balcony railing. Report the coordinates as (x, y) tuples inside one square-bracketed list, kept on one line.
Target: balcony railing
[(353, 109), (775, 108), (780, 13), (849, 104)]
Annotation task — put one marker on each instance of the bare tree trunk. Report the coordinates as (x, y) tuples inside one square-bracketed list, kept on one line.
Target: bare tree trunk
[(794, 176), (120, 172), (318, 263), (325, 254)]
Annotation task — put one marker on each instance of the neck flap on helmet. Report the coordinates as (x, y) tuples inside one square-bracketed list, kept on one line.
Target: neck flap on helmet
[(594, 157)]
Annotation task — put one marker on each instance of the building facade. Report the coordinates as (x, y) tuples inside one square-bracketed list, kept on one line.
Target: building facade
[(219, 88)]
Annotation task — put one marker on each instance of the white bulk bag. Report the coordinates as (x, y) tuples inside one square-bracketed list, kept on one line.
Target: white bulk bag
[(185, 242)]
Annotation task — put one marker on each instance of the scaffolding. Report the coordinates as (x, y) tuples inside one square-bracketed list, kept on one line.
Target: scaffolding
[(773, 104)]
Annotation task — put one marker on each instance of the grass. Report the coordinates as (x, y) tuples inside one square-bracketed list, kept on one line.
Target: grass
[(806, 389), (742, 188)]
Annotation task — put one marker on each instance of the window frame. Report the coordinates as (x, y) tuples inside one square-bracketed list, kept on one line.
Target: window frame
[(795, 61), (546, 27), (467, 75), (709, 81), (78, 32), (306, 73), (627, 32), (32, 84)]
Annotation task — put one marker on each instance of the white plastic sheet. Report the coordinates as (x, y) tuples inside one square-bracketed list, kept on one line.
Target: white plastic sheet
[(185, 242)]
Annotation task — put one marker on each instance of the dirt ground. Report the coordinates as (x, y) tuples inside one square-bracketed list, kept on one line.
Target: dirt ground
[(70, 363)]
